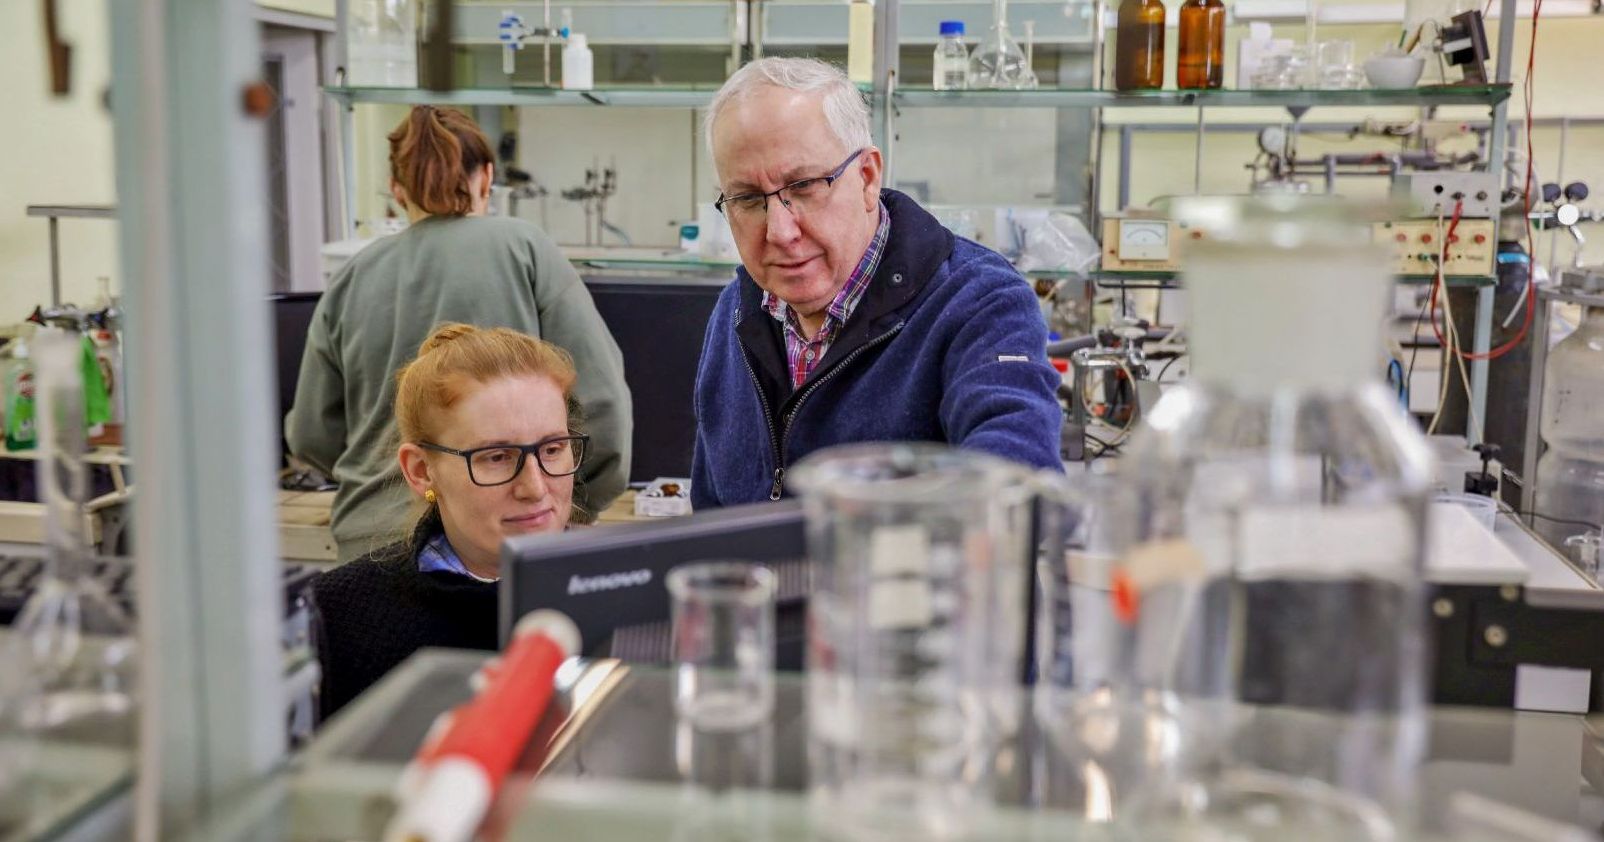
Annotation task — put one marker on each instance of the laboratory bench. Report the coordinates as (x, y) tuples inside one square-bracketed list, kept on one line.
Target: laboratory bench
[(615, 762), (620, 765)]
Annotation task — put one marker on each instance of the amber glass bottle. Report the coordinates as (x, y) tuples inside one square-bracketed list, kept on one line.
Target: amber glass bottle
[(1139, 45), (1202, 55)]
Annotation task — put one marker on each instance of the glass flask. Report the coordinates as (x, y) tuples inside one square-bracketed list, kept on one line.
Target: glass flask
[(916, 633), (1139, 46), (1570, 474), (1259, 630), (998, 62), (382, 44), (1201, 63), (72, 642)]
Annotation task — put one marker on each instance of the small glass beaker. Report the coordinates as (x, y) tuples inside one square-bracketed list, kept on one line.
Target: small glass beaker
[(723, 643), (916, 630), (1337, 71)]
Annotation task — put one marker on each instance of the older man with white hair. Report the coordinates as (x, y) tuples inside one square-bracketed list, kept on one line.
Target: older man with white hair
[(856, 316)]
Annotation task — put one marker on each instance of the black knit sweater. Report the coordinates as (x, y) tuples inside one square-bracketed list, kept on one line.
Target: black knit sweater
[(379, 609)]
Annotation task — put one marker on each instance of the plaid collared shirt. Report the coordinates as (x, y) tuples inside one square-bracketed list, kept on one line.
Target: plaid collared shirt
[(802, 355)]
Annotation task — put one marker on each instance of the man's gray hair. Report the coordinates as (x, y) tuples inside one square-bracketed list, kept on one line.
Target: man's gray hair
[(845, 109)]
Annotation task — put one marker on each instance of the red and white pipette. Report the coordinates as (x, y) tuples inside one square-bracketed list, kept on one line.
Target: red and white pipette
[(448, 788)]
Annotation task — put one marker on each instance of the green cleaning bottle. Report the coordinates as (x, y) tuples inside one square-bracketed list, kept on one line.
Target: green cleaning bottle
[(19, 400)]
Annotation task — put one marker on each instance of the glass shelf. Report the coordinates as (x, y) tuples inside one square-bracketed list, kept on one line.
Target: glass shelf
[(666, 96), (697, 96), (646, 259), (1488, 95)]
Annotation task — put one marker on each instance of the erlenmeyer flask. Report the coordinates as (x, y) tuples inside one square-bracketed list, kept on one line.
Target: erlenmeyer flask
[(998, 62), (72, 644)]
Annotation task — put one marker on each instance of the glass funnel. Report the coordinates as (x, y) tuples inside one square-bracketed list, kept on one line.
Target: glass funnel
[(998, 62), (916, 633)]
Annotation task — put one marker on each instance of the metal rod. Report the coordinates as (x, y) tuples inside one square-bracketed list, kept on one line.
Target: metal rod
[(1126, 137), (1197, 153), (55, 262), (1478, 367), (1534, 401), (545, 44)]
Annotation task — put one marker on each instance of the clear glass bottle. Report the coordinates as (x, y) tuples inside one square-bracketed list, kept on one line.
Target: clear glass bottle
[(950, 65), (1139, 46), (915, 633), (1264, 601), (382, 43), (1570, 475), (998, 62), (1200, 61)]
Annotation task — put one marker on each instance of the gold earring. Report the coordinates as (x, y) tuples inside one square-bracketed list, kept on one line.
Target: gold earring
[(430, 497)]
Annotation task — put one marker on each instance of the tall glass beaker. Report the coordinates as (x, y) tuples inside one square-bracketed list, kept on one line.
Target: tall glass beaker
[(916, 631)]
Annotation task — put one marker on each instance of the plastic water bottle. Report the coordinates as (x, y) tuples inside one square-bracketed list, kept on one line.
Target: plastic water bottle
[(951, 65)]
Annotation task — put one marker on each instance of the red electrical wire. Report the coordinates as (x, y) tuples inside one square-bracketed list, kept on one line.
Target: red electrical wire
[(1531, 277)]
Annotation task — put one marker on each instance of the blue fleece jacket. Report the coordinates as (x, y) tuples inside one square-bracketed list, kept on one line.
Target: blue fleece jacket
[(947, 345)]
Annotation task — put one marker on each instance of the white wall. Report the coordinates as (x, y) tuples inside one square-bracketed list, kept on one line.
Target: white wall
[(56, 151)]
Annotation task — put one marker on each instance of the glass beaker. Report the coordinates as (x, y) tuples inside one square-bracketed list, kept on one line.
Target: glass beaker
[(382, 44), (920, 556), (1278, 516), (998, 62), (723, 641)]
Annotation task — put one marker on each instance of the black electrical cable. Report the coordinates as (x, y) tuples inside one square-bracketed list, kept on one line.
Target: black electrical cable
[(1165, 368), (1414, 351), (1541, 516)]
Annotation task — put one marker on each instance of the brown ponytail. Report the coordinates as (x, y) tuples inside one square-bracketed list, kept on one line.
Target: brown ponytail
[(433, 154)]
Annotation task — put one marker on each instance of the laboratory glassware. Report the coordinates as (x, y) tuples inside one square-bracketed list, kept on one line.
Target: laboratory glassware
[(950, 65), (1280, 501), (998, 62), (1139, 46), (1201, 60), (1570, 474), (723, 643), (916, 632), (382, 43), (72, 640)]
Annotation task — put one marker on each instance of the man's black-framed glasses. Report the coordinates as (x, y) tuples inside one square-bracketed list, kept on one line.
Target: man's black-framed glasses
[(798, 196), (500, 464)]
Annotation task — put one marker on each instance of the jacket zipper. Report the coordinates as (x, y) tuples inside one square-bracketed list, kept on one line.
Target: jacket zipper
[(785, 429), (768, 418)]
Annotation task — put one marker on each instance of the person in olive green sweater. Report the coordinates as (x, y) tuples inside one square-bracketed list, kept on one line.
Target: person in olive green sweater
[(453, 264)]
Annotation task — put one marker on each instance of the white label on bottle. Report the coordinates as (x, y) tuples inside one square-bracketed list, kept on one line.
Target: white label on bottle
[(1326, 542)]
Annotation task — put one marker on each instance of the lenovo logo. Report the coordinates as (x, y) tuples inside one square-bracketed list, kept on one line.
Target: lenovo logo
[(608, 582)]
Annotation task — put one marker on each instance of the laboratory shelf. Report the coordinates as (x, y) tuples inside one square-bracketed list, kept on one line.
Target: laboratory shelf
[(682, 96), (1487, 95)]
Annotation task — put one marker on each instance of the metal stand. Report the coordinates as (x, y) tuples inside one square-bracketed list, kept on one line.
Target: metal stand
[(55, 213), (195, 255)]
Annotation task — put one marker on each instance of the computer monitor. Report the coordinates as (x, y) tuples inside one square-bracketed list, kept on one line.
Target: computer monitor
[(658, 323), (292, 320), (609, 579)]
